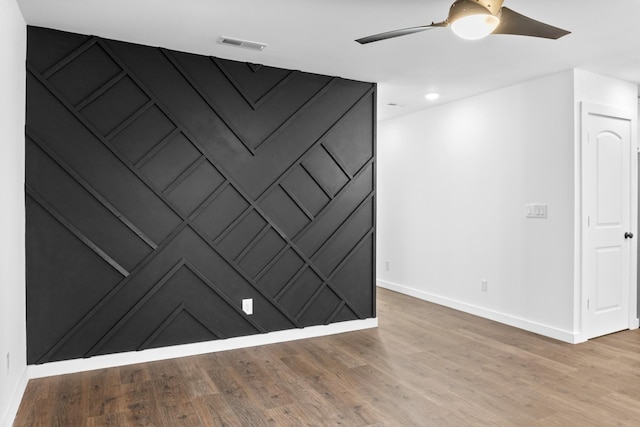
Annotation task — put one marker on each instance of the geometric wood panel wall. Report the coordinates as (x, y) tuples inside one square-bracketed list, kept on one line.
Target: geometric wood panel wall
[(162, 188)]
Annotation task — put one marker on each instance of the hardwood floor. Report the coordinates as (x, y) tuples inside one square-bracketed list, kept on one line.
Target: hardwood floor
[(425, 365)]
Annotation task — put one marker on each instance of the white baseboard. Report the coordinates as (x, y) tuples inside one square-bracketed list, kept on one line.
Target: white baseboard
[(518, 322), (129, 358), (14, 405), (636, 324)]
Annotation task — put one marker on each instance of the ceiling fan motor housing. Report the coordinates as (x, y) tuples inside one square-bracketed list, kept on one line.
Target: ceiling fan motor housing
[(462, 8)]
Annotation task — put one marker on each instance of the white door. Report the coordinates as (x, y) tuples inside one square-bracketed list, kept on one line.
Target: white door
[(606, 179)]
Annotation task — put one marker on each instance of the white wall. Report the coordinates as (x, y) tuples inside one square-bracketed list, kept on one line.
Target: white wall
[(12, 276), (453, 182)]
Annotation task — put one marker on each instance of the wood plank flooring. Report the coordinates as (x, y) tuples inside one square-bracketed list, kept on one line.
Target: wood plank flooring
[(425, 365)]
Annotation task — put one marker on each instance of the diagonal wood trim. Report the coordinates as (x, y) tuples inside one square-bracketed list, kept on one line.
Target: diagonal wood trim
[(236, 132), (101, 90), (229, 228), (275, 88), (316, 270), (311, 300), (215, 164), (139, 304), (254, 67), (170, 318), (100, 325), (319, 183), (143, 179), (242, 273), (115, 290), (252, 243), (163, 325), (297, 202), (69, 58), (214, 331), (302, 156), (291, 281), (147, 296), (343, 224), (97, 134), (156, 148), (335, 313), (193, 140), (79, 234), (336, 159), (212, 105), (271, 263), (126, 122), (184, 175), (297, 113), (80, 180), (222, 295), (254, 105), (209, 200), (361, 242), (327, 281), (333, 201)]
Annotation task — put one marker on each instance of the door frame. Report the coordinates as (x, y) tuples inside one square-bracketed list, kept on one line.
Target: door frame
[(586, 109)]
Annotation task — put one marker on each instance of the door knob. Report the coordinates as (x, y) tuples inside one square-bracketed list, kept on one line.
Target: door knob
[(628, 235)]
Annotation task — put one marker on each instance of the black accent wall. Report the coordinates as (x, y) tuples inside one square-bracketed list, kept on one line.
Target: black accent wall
[(163, 187)]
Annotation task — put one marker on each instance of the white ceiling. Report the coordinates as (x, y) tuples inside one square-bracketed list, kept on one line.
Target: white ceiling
[(318, 36)]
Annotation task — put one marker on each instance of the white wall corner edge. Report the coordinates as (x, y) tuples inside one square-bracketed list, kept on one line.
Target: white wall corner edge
[(11, 412), (507, 319), (185, 350)]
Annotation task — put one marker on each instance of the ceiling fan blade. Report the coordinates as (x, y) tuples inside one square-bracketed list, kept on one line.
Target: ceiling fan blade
[(514, 23), (398, 33)]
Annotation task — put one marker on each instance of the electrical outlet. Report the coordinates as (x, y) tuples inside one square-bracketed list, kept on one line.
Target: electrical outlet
[(484, 284), (387, 265), (247, 306)]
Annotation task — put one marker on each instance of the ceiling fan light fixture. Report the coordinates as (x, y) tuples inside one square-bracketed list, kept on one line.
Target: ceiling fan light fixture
[(474, 19), (475, 27)]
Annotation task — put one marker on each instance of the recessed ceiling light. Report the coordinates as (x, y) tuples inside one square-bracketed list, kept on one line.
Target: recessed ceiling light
[(432, 96)]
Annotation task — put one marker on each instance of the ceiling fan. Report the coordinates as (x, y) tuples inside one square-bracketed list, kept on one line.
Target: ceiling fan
[(475, 19)]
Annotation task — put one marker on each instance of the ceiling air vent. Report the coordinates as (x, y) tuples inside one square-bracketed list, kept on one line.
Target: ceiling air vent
[(241, 43)]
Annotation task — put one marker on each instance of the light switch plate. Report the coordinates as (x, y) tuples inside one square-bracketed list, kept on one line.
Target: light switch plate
[(536, 211)]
